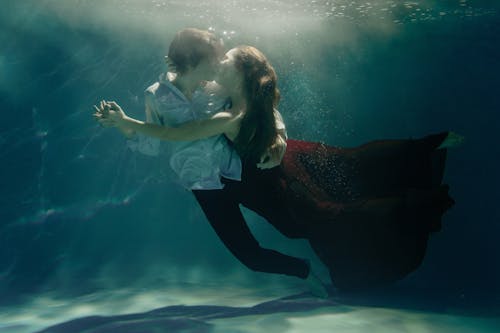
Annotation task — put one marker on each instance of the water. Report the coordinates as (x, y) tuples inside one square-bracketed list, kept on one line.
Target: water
[(89, 228)]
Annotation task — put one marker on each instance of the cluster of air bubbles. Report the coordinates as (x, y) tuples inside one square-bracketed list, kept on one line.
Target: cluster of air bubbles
[(334, 171), (239, 12), (228, 34), (224, 34), (273, 16), (160, 4), (398, 11)]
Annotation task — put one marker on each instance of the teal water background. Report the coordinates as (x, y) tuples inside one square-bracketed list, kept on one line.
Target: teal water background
[(79, 212)]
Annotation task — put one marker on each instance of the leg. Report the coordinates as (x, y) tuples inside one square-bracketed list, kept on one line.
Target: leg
[(223, 212)]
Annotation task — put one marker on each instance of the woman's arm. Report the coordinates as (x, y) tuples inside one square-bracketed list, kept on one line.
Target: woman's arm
[(274, 154), (221, 123)]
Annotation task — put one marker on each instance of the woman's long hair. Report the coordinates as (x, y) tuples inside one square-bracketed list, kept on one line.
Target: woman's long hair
[(258, 126)]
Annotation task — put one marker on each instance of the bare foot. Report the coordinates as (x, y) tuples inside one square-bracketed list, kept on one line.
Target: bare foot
[(316, 286), (452, 140)]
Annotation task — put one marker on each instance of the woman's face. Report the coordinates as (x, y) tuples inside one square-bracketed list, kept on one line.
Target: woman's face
[(228, 75)]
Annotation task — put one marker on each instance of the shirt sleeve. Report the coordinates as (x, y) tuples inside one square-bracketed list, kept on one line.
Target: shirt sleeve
[(144, 144), (280, 124)]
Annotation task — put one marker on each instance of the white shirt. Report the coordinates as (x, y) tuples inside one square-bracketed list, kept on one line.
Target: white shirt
[(198, 164)]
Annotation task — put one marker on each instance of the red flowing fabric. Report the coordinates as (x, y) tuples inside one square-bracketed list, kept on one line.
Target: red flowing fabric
[(368, 210)]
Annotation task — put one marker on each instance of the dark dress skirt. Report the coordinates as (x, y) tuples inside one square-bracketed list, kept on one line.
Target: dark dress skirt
[(367, 211)]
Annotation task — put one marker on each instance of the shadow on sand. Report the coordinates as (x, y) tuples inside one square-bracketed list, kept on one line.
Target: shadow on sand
[(196, 318), (180, 318)]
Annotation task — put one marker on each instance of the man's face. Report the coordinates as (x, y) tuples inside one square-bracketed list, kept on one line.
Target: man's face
[(207, 69)]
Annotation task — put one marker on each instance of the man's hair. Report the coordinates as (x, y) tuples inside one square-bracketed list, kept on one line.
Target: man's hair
[(190, 46)]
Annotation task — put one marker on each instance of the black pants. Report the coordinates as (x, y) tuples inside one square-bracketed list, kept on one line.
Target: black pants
[(222, 210)]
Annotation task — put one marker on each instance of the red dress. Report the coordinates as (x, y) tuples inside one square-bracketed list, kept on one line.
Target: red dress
[(366, 211)]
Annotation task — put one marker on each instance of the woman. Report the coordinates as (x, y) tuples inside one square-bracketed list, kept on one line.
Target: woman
[(366, 211)]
